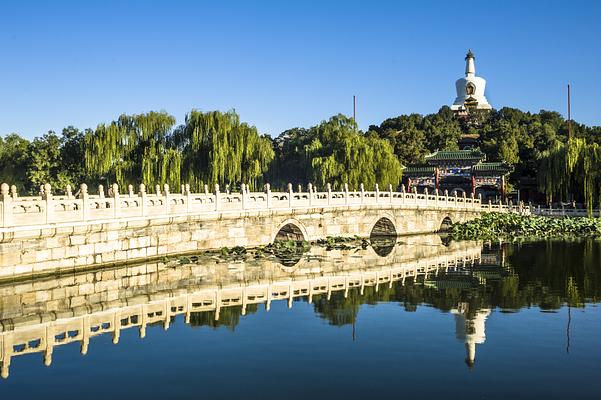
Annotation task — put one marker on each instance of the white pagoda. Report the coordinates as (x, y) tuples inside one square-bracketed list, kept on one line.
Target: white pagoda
[(470, 89)]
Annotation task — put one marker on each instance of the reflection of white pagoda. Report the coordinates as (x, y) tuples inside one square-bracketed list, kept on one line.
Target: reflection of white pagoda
[(470, 328)]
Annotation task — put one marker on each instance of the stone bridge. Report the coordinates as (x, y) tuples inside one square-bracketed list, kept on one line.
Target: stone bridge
[(52, 233), (40, 315)]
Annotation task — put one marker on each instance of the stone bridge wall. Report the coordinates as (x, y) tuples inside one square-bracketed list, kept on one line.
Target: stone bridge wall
[(50, 234)]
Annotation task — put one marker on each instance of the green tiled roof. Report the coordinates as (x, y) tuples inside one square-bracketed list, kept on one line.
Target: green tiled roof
[(464, 155), (419, 169), (497, 167)]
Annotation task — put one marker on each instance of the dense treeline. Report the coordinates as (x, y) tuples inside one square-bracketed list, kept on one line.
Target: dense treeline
[(215, 147)]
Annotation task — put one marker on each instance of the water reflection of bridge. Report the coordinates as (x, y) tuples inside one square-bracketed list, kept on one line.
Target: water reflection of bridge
[(143, 299)]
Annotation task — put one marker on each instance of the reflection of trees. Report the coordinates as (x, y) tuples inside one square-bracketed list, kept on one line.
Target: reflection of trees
[(544, 274), (229, 317)]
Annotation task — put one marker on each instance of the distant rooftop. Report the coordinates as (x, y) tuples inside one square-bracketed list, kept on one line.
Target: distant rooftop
[(462, 155)]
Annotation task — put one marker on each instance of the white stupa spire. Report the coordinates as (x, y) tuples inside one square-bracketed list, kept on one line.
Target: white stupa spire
[(470, 65), (470, 89)]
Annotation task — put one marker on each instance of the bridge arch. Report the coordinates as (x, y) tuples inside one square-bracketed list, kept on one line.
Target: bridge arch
[(291, 229), (445, 224), (383, 227)]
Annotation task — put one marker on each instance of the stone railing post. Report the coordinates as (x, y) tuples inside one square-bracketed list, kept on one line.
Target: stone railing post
[(390, 192), (188, 197), (329, 190), (49, 206), (414, 195), (403, 193), (426, 195), (299, 188), (473, 202), (217, 199), (157, 190), (13, 192), (243, 195), (346, 199), (142, 195), (268, 194), (7, 205), (489, 205), (310, 188), (455, 199), (377, 190), (464, 200), (446, 198), (290, 193), (85, 201), (68, 192), (436, 197), (116, 201), (130, 190), (362, 192), (166, 193)]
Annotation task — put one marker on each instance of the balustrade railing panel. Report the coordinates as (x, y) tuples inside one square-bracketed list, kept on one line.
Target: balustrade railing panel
[(36, 210)]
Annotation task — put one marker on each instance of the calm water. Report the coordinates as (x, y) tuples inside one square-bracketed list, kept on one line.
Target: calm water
[(467, 319)]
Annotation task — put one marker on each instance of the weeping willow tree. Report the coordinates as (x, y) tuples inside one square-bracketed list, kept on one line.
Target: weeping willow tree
[(134, 149), (340, 154), (218, 148), (572, 168)]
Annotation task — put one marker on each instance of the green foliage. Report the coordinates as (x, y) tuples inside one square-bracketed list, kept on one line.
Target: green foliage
[(336, 152), (134, 149), (573, 167), (218, 148), (14, 161), (501, 225)]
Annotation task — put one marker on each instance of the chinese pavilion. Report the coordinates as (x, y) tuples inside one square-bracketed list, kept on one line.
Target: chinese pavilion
[(458, 172)]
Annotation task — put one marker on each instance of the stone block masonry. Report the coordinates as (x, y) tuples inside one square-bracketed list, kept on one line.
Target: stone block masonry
[(49, 234)]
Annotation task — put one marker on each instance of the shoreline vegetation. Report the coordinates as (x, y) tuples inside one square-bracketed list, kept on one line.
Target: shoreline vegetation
[(213, 147), (513, 226)]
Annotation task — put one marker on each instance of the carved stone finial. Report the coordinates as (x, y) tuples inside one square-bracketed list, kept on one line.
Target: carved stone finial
[(227, 188), (47, 189), (310, 187), (346, 187), (362, 187), (403, 188), (115, 188), (446, 192), (187, 188), (183, 189), (13, 191), (290, 187), (83, 189), (299, 188), (267, 187), (216, 188), (166, 189), (206, 189), (69, 191), (130, 189), (4, 189), (243, 188), (390, 187), (426, 191), (157, 190), (101, 191), (377, 187), (142, 188)]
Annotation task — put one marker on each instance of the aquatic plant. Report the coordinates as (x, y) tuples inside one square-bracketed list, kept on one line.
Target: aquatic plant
[(497, 225)]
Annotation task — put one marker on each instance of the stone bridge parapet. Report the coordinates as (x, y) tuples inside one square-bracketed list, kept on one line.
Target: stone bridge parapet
[(49, 233)]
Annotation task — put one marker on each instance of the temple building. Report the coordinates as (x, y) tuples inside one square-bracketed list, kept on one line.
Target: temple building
[(459, 172), (463, 171), (470, 89)]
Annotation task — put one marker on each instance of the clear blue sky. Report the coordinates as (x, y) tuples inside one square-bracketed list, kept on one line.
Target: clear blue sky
[(282, 64)]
